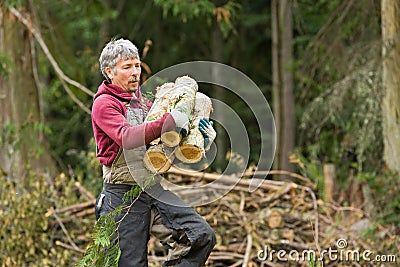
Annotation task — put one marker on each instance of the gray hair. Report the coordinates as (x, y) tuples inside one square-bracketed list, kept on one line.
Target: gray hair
[(114, 51)]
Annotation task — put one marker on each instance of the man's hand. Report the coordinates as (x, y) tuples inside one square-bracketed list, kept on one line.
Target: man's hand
[(181, 122), (209, 134)]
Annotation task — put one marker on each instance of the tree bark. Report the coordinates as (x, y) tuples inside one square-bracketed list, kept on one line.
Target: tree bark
[(391, 82), (330, 183), (283, 103), (217, 49), (180, 95), (191, 149), (24, 145)]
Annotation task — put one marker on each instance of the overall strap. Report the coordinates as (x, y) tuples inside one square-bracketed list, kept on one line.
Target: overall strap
[(120, 172)]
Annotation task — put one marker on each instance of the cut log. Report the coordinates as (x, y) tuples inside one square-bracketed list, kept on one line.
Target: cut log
[(189, 153), (156, 160), (330, 182), (161, 102), (274, 219), (171, 138), (191, 149), (181, 97)]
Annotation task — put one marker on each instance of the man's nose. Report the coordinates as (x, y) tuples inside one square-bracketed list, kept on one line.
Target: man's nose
[(135, 72)]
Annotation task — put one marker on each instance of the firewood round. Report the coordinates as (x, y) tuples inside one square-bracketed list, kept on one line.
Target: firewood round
[(156, 161), (171, 139), (188, 153)]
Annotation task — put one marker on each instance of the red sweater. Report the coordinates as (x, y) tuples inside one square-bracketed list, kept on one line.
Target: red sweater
[(112, 130)]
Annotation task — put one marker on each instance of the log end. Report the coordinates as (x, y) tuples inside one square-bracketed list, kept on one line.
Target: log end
[(189, 153), (156, 162), (171, 139), (274, 219)]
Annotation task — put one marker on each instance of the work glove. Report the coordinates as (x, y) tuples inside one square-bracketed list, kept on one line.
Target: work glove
[(208, 132), (181, 122)]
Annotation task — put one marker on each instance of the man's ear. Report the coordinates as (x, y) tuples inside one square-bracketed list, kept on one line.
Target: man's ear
[(110, 73)]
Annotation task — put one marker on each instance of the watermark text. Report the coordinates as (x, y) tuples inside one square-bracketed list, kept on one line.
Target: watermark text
[(339, 253)]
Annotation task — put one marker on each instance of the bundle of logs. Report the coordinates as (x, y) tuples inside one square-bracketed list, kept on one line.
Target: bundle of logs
[(183, 96), (252, 226)]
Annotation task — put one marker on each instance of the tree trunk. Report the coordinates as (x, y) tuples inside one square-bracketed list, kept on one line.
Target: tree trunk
[(391, 82), (276, 80), (283, 104), (22, 143), (217, 50)]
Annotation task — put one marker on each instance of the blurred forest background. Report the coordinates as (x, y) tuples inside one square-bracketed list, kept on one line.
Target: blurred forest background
[(329, 69)]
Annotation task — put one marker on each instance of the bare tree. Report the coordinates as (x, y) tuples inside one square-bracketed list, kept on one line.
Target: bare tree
[(283, 99), (391, 82), (23, 143)]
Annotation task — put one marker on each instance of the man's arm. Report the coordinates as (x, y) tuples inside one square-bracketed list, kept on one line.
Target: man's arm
[(108, 115)]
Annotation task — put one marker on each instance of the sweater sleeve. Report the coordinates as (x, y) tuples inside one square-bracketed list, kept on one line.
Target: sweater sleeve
[(107, 113)]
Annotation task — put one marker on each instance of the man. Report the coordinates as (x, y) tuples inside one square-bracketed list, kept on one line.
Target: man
[(118, 114)]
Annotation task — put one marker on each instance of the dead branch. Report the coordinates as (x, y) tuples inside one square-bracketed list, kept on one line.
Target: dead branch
[(280, 215), (73, 245), (84, 191), (77, 207), (61, 244)]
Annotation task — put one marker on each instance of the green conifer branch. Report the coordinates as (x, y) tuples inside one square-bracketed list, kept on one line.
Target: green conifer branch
[(104, 249)]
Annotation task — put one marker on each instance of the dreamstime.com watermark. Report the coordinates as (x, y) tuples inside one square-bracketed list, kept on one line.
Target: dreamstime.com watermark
[(341, 253)]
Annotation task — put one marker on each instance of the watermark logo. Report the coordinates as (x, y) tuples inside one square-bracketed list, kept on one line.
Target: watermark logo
[(340, 253), (238, 136), (341, 243)]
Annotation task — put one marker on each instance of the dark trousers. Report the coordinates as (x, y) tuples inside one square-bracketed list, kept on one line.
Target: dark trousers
[(134, 231)]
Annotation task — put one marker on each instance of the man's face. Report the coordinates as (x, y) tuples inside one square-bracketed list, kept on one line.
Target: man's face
[(126, 75)]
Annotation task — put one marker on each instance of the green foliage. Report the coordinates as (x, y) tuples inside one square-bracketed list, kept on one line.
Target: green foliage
[(344, 124), (5, 64), (132, 194), (385, 189), (186, 10), (9, 138), (104, 250), (385, 199), (311, 168), (339, 101), (311, 261), (329, 46), (225, 15), (384, 186), (12, 137), (70, 131), (85, 167), (14, 3), (26, 225), (71, 31), (308, 17)]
